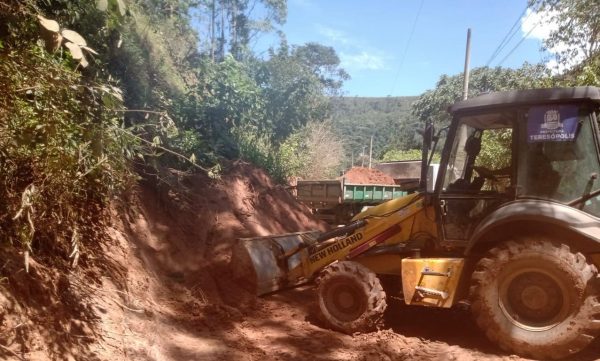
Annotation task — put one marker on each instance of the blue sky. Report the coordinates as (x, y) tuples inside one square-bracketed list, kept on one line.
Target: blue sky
[(373, 39)]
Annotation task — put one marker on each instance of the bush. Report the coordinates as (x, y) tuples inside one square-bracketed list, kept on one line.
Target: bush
[(62, 155), (410, 154), (312, 152), (257, 148)]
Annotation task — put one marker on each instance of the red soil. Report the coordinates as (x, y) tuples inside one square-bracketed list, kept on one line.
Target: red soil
[(361, 175), (158, 288)]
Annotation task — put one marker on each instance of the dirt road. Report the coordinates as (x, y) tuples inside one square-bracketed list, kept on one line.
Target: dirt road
[(159, 288)]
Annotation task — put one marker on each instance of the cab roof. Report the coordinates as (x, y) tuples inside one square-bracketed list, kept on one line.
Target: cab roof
[(527, 97)]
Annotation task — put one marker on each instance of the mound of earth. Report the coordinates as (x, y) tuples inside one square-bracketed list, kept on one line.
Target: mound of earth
[(158, 287), (362, 175)]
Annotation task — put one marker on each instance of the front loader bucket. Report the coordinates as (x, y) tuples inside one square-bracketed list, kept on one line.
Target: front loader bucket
[(261, 264)]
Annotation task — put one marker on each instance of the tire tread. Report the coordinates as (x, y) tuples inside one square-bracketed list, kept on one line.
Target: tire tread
[(376, 297), (587, 318)]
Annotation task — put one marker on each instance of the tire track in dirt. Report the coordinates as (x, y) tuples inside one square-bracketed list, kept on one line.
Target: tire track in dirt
[(163, 291)]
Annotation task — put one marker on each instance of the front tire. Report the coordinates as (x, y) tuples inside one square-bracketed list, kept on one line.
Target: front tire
[(536, 298), (351, 298)]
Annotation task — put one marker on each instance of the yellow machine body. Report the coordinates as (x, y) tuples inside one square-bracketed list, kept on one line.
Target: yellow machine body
[(519, 242), (272, 263), (431, 281), (390, 223)]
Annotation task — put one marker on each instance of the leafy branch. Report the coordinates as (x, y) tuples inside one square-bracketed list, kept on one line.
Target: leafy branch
[(191, 159)]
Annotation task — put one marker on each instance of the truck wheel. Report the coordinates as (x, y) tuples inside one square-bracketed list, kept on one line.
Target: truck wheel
[(536, 298), (351, 298)]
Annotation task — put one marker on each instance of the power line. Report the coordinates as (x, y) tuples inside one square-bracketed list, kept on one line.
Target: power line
[(507, 38), (518, 44), (412, 31)]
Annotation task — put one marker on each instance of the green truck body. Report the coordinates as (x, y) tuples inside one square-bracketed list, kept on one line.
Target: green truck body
[(336, 201)]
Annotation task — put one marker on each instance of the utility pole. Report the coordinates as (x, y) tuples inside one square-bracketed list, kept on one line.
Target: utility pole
[(462, 131), (362, 157), (370, 152), (467, 61)]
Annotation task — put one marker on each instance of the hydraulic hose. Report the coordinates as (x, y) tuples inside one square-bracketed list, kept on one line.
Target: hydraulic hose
[(341, 231)]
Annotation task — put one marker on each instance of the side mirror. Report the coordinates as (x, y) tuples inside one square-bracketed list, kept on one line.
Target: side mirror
[(428, 134)]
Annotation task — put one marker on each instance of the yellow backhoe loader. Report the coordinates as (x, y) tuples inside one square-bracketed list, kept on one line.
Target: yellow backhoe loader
[(510, 225)]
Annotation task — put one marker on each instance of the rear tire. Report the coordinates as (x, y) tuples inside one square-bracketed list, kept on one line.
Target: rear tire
[(536, 298), (351, 298)]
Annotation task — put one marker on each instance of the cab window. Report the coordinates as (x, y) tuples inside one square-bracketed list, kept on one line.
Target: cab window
[(558, 156), (481, 156)]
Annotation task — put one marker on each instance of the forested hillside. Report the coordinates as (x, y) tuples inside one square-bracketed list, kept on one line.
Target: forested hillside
[(140, 138), (388, 120), (97, 93)]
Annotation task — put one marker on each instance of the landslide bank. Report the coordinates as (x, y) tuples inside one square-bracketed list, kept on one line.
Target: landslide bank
[(157, 285)]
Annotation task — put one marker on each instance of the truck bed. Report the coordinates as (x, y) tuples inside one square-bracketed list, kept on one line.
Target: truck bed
[(336, 197)]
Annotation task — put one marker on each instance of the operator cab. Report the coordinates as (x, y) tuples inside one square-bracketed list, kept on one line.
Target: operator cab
[(511, 146)]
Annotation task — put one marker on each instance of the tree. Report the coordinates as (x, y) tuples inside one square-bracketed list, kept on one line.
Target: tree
[(577, 34), (294, 93), (433, 104), (232, 24), (226, 98), (313, 152), (495, 149), (324, 63)]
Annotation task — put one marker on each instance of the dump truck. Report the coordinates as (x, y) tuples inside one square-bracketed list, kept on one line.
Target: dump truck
[(336, 201), (519, 242), (405, 173)]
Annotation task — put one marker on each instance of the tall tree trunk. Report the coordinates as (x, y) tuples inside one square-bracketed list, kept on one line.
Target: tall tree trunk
[(234, 40), (213, 16), (222, 45)]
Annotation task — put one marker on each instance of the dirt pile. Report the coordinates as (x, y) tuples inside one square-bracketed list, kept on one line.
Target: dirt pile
[(158, 288), (163, 263), (361, 175)]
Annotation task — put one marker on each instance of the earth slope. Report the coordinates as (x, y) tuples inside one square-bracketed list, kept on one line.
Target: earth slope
[(158, 287)]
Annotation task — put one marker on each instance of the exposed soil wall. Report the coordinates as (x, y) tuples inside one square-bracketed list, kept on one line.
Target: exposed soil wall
[(158, 288)]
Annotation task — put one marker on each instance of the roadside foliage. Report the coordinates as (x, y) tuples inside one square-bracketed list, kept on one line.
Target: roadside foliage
[(99, 93)]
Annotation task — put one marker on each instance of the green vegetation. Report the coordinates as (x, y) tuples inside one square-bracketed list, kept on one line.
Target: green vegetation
[(495, 149), (62, 152), (95, 88), (433, 104), (410, 154), (388, 120), (397, 154), (577, 35)]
